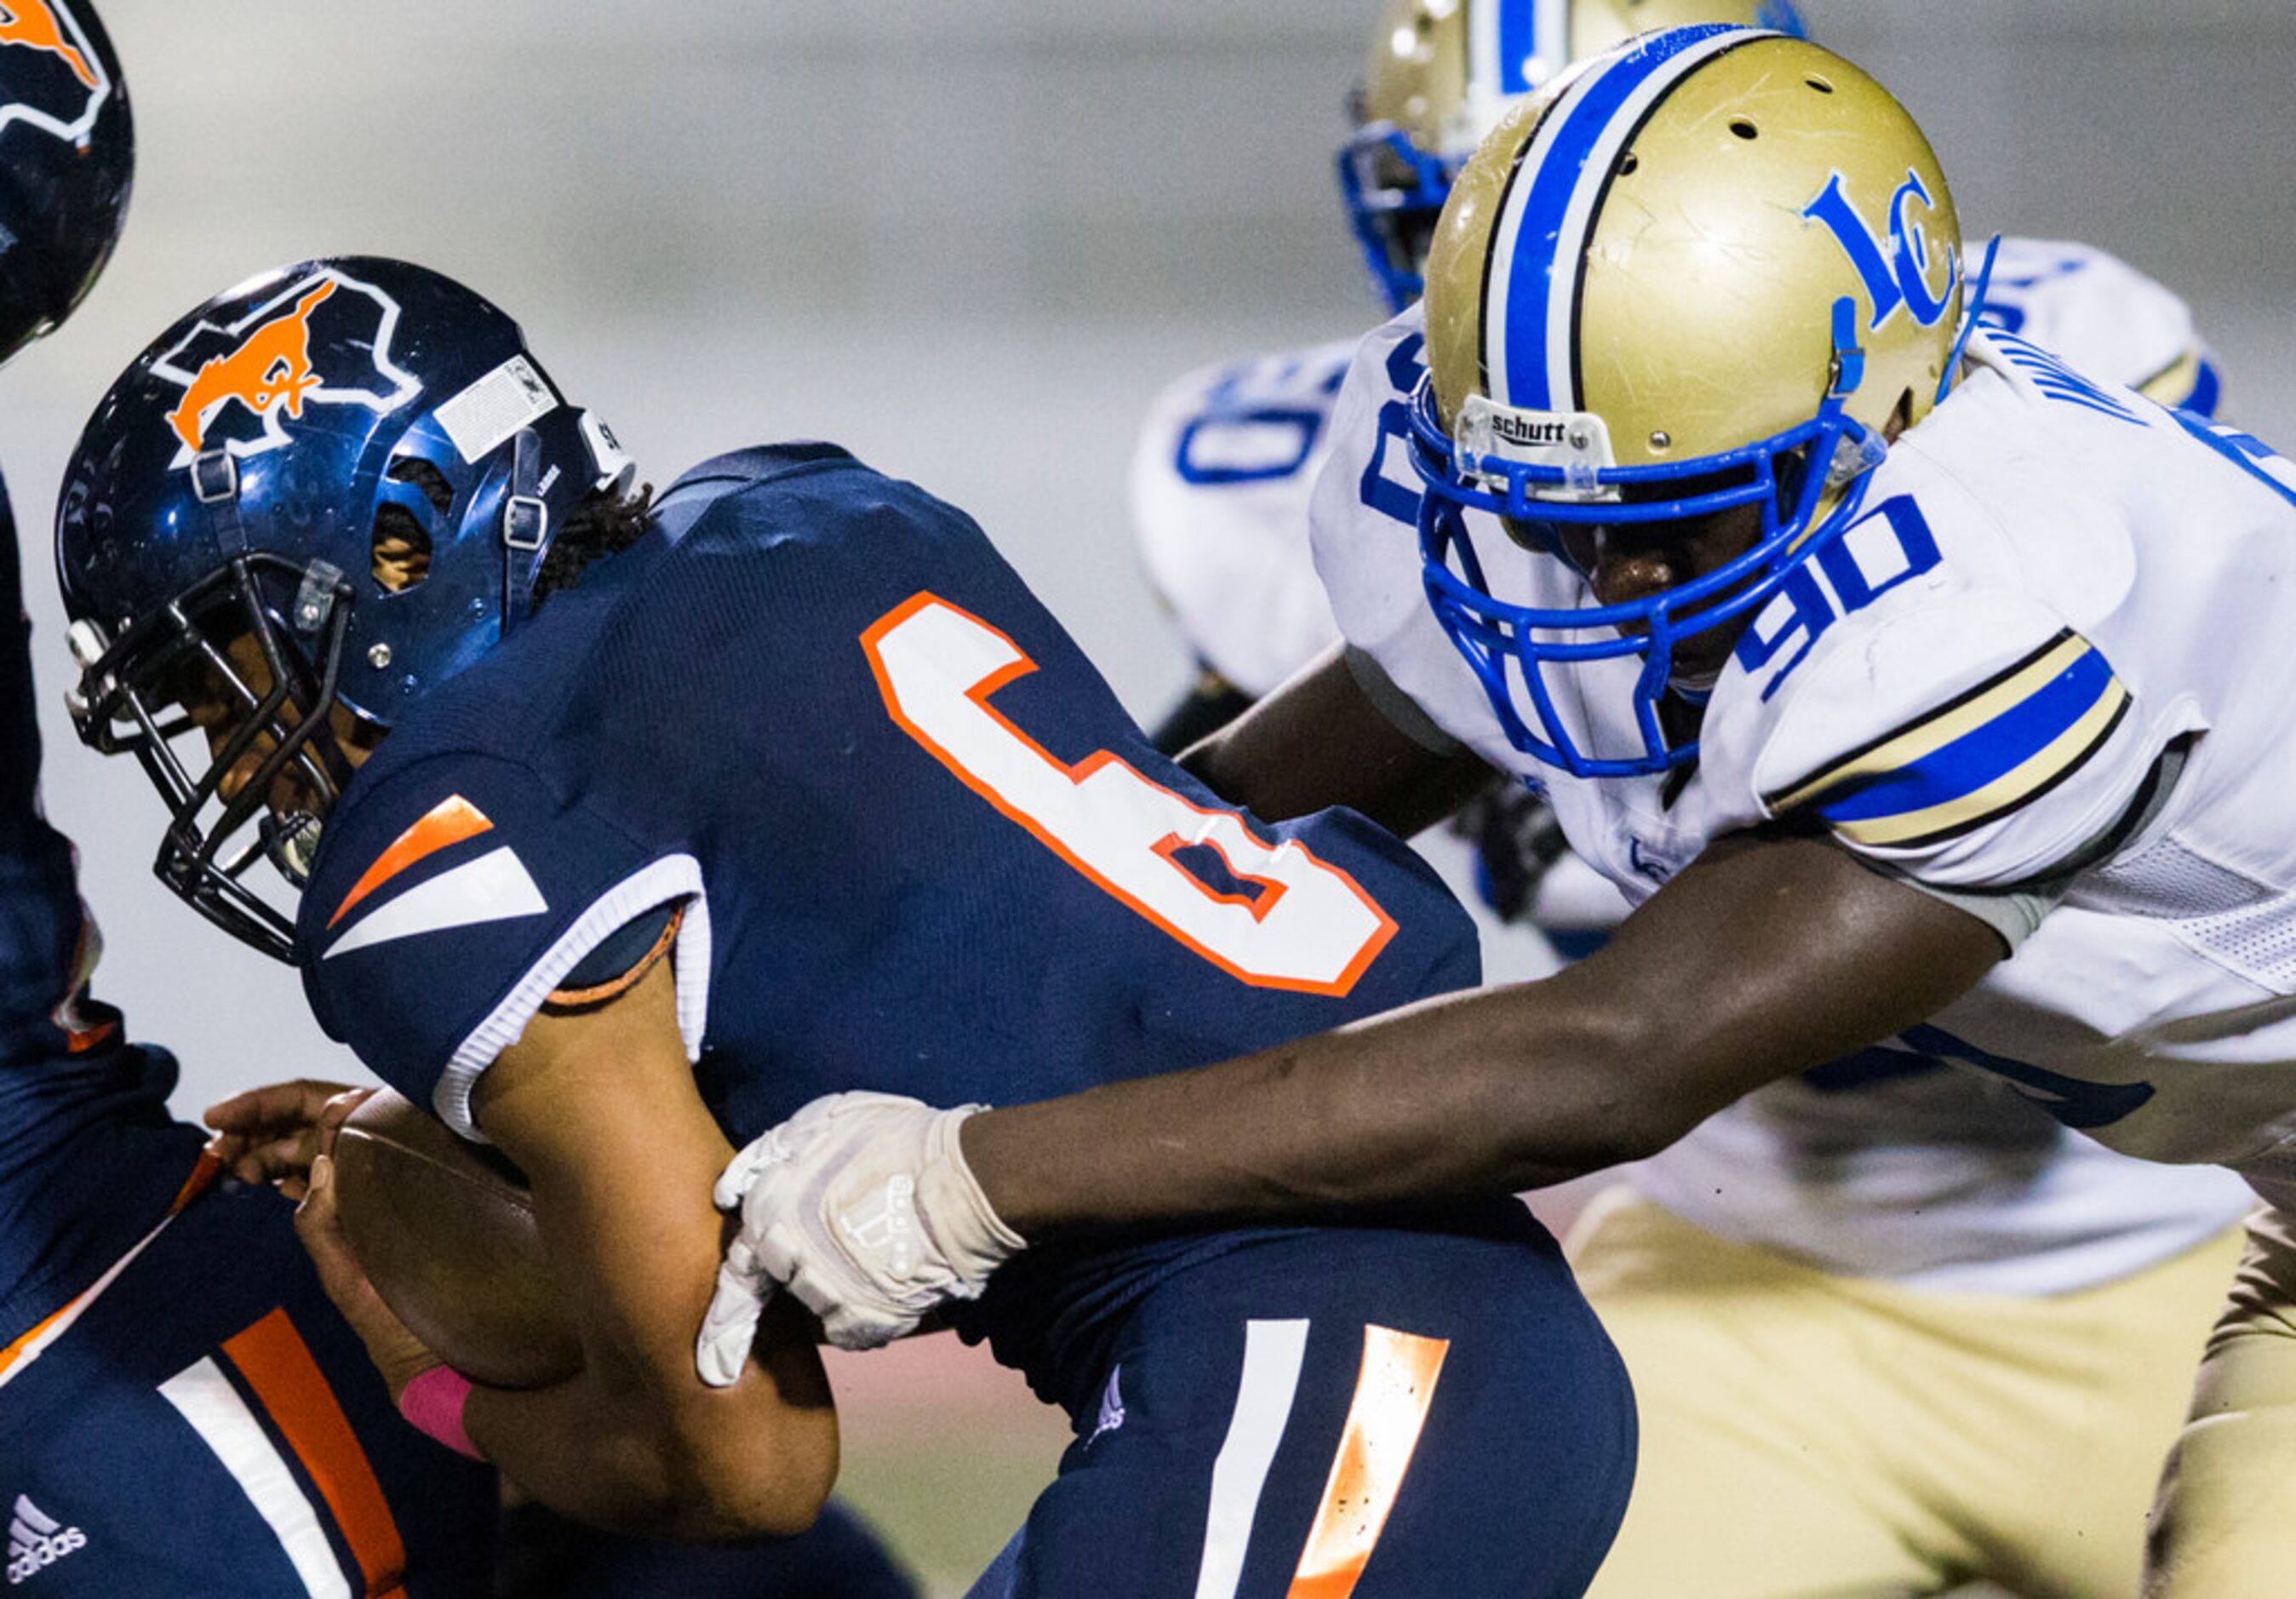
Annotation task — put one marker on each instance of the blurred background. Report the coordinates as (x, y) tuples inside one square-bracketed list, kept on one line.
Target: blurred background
[(970, 241)]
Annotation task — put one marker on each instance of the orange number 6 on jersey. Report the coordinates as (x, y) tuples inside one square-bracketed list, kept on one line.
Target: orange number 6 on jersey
[(1309, 927)]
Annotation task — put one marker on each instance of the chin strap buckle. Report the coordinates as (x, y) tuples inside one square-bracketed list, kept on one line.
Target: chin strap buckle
[(1854, 454), (1849, 358), (215, 484), (215, 476), (315, 596), (525, 518)]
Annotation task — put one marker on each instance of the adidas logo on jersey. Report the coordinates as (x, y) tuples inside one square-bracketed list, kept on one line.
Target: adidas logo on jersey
[(36, 1542)]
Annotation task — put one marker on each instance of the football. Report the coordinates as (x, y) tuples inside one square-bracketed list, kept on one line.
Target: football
[(445, 1231)]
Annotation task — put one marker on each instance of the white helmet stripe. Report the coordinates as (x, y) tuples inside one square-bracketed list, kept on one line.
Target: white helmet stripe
[(1530, 295)]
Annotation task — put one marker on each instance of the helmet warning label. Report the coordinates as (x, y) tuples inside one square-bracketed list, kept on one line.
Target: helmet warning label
[(496, 407)]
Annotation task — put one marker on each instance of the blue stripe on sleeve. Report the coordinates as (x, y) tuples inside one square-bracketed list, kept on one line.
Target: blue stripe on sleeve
[(1984, 754)]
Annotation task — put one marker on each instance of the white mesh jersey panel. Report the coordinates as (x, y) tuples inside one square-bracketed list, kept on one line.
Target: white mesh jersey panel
[(2169, 879), (2257, 941)]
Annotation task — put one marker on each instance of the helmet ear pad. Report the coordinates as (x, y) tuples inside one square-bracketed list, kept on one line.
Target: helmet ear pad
[(474, 586)]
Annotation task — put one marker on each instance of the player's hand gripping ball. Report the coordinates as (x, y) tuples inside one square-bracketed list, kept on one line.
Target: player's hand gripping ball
[(861, 1205), (444, 1230)]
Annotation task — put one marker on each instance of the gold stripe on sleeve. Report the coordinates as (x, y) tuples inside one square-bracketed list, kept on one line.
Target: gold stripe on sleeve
[(2053, 761), (1938, 729)]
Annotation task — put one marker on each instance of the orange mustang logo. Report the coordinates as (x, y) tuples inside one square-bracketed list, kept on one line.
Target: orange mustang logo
[(31, 24), (272, 367)]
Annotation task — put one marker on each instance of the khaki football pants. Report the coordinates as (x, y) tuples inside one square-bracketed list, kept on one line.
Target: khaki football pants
[(2225, 1525), (1807, 1436)]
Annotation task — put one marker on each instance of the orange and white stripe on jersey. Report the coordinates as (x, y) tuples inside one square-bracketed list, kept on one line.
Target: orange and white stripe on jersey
[(19, 1355), (278, 1367), (1394, 1388)]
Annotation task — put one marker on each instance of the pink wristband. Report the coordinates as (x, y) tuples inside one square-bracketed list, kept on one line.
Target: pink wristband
[(433, 1402)]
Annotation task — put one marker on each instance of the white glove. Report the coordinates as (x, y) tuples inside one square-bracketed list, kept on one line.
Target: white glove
[(862, 1206)]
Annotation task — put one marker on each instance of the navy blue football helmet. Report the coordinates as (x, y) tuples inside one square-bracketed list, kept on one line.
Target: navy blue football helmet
[(312, 498), (67, 153)]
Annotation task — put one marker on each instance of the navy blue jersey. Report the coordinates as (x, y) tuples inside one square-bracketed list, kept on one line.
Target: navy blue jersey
[(920, 846), (88, 1157), (207, 1426)]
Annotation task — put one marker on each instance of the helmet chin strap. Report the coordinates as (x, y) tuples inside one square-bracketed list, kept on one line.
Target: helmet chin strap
[(215, 484), (1971, 312), (525, 528)]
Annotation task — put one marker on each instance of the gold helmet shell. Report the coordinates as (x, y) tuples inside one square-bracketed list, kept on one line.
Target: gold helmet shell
[(1660, 239), (1441, 74)]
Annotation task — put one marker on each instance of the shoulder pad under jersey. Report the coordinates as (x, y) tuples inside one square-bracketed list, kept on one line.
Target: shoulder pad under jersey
[(2104, 317)]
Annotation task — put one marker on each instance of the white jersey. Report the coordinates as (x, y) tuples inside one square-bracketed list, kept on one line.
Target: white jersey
[(1228, 454), (1220, 504), (1974, 693), (2105, 317), (1220, 480)]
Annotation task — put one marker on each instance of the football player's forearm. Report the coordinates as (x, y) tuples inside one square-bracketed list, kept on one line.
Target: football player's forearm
[(636, 1440), (1451, 1098), (1318, 742), (1765, 958), (615, 1460)]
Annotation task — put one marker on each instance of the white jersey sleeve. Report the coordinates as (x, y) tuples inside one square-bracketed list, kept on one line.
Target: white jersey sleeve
[(1219, 485), (1979, 741), (1933, 695), (2104, 317)]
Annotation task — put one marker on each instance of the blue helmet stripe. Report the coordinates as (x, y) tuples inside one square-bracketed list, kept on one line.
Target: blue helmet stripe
[(1518, 22), (1513, 47), (1779, 17), (1541, 234)]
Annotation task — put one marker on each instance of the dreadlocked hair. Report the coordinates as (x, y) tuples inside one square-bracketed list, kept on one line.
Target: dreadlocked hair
[(605, 523)]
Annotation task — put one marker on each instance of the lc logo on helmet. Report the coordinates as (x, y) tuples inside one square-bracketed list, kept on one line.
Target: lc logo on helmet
[(323, 339), (51, 77), (1897, 279)]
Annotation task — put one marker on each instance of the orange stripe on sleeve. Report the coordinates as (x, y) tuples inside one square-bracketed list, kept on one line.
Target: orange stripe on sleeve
[(205, 1171), (449, 822), (1392, 1393), (32, 1337), (44, 1332), (277, 1365)]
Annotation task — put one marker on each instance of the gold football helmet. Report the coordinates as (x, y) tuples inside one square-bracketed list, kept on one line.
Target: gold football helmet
[(1716, 268), (1442, 73)]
